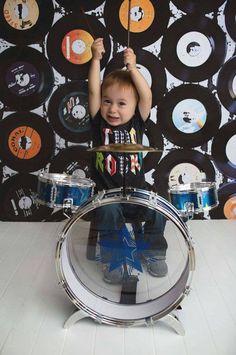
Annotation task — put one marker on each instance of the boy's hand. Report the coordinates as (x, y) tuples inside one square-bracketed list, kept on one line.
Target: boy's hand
[(129, 58), (97, 49)]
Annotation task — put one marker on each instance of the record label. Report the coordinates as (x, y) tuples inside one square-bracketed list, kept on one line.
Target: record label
[(24, 142), (21, 15), (227, 202), (22, 79), (184, 173), (189, 116), (193, 49), (76, 46), (141, 15), (230, 208)]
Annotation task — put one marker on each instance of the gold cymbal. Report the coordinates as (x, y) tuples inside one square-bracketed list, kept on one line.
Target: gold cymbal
[(124, 148)]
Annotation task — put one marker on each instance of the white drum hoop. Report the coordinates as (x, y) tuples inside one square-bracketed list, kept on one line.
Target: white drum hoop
[(102, 309)]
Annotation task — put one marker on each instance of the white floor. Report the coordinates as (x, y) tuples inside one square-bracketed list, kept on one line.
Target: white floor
[(33, 307)]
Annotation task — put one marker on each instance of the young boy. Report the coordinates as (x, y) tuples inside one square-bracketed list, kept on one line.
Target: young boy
[(119, 108)]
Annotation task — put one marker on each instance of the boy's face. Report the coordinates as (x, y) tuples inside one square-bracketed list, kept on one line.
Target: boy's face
[(118, 104)]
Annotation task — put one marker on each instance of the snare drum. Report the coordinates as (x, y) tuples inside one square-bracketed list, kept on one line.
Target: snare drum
[(195, 197), (82, 279), (56, 190)]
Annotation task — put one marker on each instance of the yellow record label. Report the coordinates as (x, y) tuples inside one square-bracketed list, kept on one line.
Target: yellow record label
[(21, 14), (142, 14)]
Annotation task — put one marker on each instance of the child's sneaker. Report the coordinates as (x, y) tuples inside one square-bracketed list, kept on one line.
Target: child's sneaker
[(157, 267), (114, 276)]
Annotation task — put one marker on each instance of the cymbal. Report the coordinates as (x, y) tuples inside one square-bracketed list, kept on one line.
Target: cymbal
[(124, 148)]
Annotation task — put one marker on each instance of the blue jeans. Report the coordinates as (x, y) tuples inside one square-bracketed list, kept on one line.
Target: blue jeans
[(110, 223)]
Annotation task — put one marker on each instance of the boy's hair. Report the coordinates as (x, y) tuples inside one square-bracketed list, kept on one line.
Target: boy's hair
[(120, 77)]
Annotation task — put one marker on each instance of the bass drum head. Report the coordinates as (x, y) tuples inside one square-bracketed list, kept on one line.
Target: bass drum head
[(153, 297)]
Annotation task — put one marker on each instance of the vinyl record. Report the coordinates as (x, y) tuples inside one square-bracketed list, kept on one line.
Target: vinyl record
[(226, 85), (227, 202), (149, 65), (152, 138), (148, 21), (189, 115), (193, 48), (182, 166), (73, 161), (198, 6), (223, 149), (26, 78), (69, 44), (230, 18), (19, 200), (81, 5), (68, 111), (25, 22), (27, 141)]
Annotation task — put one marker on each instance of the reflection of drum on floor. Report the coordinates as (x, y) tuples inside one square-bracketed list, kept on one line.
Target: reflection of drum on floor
[(83, 279)]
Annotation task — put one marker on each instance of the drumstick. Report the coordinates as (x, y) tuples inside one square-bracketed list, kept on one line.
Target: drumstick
[(128, 38)]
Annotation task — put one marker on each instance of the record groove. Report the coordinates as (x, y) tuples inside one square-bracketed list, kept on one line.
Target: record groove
[(68, 111), (25, 22), (219, 149), (226, 85), (230, 18), (189, 115), (182, 166), (193, 48), (72, 160), (26, 78), (81, 5), (69, 44), (19, 199), (198, 6), (148, 20)]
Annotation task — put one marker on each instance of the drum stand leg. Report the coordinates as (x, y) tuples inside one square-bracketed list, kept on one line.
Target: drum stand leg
[(75, 317), (173, 321)]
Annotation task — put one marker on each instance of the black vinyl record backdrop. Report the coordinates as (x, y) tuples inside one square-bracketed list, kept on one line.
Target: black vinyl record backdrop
[(185, 49)]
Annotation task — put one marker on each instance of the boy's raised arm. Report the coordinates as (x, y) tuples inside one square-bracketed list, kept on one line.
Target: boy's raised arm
[(94, 79), (144, 91)]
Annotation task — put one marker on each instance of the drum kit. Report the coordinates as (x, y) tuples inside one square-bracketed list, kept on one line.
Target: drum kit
[(155, 298)]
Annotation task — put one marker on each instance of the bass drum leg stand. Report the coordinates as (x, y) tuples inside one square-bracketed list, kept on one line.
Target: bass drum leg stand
[(170, 319)]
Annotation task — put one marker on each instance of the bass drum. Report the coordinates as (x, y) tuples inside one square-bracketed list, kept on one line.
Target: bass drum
[(82, 278)]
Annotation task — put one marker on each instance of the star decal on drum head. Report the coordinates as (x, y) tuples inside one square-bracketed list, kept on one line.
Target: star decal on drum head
[(124, 250)]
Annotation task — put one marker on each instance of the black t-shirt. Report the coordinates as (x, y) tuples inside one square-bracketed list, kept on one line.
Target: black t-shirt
[(108, 168)]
